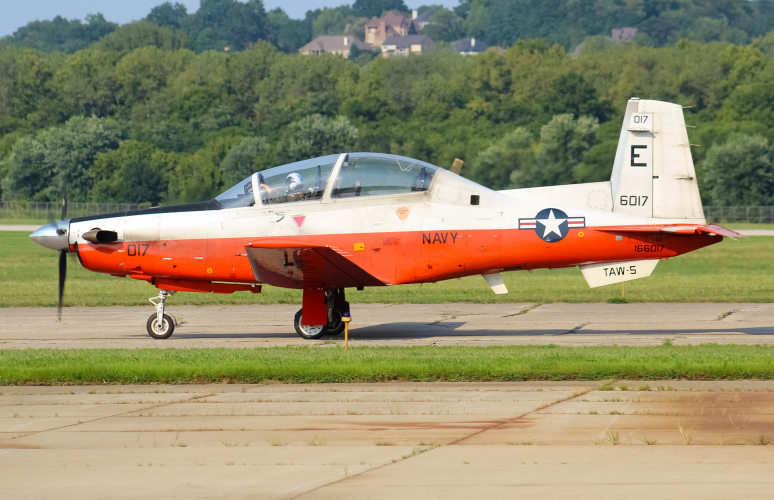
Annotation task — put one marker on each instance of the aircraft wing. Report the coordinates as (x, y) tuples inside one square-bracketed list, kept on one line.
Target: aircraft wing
[(673, 229), (290, 263)]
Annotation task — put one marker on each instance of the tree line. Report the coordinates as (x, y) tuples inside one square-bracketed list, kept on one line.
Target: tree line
[(236, 25), (152, 122)]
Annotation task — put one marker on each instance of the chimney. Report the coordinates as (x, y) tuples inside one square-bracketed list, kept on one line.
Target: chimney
[(414, 14), (472, 42), (346, 41)]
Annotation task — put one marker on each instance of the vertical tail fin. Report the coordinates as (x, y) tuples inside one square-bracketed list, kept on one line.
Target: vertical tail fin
[(653, 173)]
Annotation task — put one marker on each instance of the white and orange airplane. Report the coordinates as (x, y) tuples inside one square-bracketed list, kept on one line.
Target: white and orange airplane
[(354, 220)]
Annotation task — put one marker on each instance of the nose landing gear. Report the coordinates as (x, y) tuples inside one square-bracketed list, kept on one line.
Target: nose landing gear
[(160, 325)]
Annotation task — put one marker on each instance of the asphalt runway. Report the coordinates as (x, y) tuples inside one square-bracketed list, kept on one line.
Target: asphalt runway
[(402, 324)]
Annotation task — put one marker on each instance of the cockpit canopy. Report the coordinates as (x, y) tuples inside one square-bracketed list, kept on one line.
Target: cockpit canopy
[(359, 174)]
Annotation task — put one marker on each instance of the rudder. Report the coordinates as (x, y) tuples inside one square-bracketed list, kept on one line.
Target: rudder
[(653, 174)]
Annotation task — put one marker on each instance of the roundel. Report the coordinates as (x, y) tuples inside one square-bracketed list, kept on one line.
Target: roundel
[(551, 224)]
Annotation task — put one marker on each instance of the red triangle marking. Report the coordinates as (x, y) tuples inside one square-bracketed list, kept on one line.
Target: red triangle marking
[(299, 220)]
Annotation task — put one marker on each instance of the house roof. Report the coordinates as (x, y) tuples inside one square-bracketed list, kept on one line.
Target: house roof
[(407, 41), (334, 44), (469, 45), (390, 18), (395, 18)]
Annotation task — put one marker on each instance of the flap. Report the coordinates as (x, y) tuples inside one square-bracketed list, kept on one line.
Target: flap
[(293, 263), (673, 229)]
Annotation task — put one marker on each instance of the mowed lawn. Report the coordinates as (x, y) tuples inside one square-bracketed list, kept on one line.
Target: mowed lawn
[(382, 364), (731, 271)]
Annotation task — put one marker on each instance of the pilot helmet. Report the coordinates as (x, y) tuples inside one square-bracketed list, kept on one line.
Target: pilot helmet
[(294, 182)]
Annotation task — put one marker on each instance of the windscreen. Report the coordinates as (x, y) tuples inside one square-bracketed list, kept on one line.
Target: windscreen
[(241, 195), (299, 181)]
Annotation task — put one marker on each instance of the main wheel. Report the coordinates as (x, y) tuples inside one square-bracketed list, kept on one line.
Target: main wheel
[(335, 326), (162, 331), (308, 331)]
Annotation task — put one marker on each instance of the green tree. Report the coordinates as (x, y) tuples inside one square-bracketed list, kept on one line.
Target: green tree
[(133, 173), (145, 71), (246, 71), (707, 29), (138, 34), (243, 159), (289, 34), (25, 86), (740, 172), (563, 144), (61, 34), (25, 176), (37, 166), (317, 135), (87, 84), (227, 24), (571, 93), (445, 26), (168, 14), (199, 176), (495, 165), (333, 21), (375, 8), (765, 43)]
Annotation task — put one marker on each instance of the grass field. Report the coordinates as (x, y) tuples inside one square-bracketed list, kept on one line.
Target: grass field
[(380, 364), (731, 271)]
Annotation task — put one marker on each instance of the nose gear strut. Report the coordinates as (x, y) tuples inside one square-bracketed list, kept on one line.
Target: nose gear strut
[(160, 325)]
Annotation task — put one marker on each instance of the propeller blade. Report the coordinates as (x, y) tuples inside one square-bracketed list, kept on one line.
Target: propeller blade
[(64, 202), (62, 276)]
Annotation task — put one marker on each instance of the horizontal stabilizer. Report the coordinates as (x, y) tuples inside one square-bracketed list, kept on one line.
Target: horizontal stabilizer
[(291, 263), (673, 229), (616, 272)]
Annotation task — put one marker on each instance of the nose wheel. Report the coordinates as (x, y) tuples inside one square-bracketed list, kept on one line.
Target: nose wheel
[(160, 325), (161, 330)]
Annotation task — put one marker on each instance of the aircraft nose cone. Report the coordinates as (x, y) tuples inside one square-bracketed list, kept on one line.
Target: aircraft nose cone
[(53, 236)]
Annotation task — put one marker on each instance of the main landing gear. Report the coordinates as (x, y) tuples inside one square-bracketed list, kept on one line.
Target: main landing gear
[(160, 325), (334, 327), (317, 303), (336, 305)]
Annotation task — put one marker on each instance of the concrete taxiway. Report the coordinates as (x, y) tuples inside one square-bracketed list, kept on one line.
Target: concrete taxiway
[(396, 440), (655, 439), (400, 324)]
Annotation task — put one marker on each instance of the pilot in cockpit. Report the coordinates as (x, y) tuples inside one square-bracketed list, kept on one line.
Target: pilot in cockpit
[(294, 187)]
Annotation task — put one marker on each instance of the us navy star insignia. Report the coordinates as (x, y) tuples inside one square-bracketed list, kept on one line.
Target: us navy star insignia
[(552, 224)]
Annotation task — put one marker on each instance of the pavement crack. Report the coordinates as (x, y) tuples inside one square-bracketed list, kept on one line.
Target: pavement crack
[(575, 394), (523, 311), (430, 448), (88, 421)]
